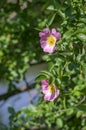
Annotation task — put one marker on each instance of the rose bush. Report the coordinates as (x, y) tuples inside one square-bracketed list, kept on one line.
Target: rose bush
[(65, 58)]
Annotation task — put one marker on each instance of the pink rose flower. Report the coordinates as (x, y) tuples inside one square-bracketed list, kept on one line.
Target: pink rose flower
[(48, 39), (50, 91)]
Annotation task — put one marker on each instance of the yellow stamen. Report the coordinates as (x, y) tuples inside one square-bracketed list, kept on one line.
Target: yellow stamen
[(51, 88), (51, 40)]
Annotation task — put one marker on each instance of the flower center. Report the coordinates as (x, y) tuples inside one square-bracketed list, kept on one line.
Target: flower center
[(51, 88), (51, 40)]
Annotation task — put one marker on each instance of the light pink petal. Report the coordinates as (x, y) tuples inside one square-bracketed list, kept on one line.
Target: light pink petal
[(46, 31), (44, 35), (57, 35), (49, 49), (45, 90), (44, 86), (56, 95), (43, 39), (41, 34), (43, 43), (53, 31), (44, 82), (49, 96)]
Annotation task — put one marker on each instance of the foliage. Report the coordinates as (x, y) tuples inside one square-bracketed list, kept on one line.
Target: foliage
[(18, 38), (66, 66)]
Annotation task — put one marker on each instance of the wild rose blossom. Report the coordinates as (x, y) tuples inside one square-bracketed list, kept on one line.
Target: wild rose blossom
[(48, 39), (50, 91)]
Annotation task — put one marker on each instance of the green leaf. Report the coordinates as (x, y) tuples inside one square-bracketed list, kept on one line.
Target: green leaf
[(68, 34), (82, 37), (82, 107), (51, 7), (51, 66), (40, 78), (32, 108), (51, 19), (46, 73), (70, 111), (48, 123), (61, 13), (59, 123), (79, 113), (11, 110), (81, 30)]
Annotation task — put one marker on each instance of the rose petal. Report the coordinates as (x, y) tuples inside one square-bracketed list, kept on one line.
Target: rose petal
[(41, 34), (56, 95), (43, 43), (44, 89), (49, 49), (49, 96), (56, 34), (44, 36), (44, 86), (44, 82), (46, 31)]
